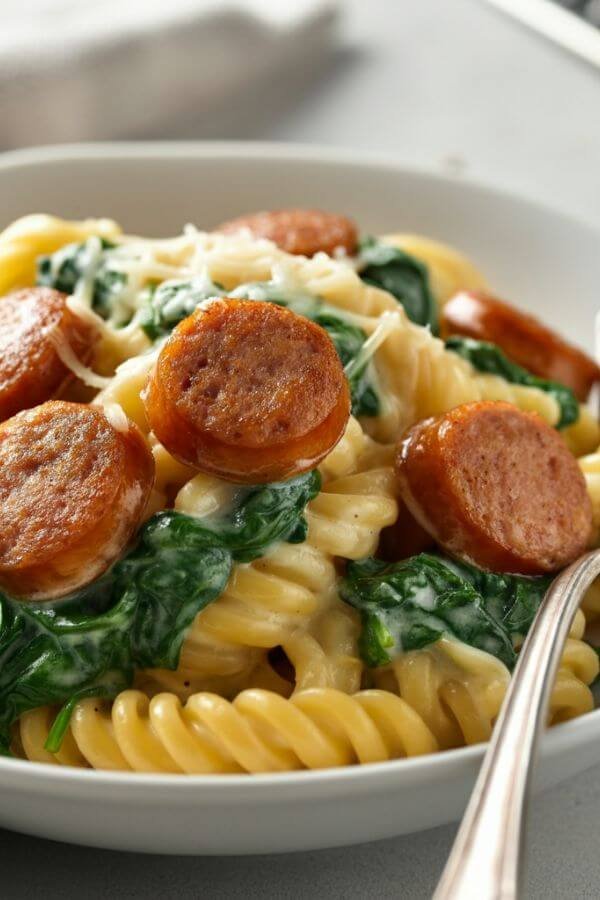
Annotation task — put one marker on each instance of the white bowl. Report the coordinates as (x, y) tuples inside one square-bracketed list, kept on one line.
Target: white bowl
[(533, 255)]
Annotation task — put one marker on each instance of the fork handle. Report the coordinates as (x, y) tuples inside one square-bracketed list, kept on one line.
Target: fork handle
[(485, 861)]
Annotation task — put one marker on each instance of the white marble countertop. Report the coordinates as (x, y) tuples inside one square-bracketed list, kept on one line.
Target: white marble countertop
[(455, 87)]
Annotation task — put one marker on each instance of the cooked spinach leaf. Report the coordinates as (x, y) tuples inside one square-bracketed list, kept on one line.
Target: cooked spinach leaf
[(262, 515), (64, 269), (403, 276), (136, 615), (47, 657), (491, 359), (173, 301), (410, 604), (513, 600), (90, 264), (348, 340)]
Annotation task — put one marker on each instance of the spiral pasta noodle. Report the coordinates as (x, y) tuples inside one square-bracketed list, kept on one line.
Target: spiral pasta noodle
[(458, 690), (590, 466), (327, 655), (447, 695), (259, 731)]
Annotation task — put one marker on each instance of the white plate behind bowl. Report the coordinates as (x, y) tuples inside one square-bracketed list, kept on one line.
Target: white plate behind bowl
[(536, 257)]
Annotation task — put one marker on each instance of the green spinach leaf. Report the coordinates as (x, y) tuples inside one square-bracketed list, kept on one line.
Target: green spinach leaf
[(491, 359), (262, 515), (410, 604), (513, 600), (348, 340), (88, 263), (403, 276), (136, 616), (173, 301)]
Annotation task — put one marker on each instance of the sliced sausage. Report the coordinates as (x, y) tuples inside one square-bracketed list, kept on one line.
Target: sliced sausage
[(300, 231), (72, 492), (248, 391), (522, 337), (496, 486), (32, 321)]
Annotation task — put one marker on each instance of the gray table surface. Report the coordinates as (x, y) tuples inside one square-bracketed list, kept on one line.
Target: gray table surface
[(456, 87)]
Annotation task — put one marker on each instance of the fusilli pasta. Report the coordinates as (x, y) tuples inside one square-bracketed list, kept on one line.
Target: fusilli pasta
[(448, 695), (270, 675)]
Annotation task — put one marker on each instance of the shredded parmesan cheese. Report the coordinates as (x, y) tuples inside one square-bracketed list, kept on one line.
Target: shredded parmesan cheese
[(86, 313), (116, 416), (69, 359), (388, 322)]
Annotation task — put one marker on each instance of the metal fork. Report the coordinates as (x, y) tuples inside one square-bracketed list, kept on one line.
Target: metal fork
[(486, 860)]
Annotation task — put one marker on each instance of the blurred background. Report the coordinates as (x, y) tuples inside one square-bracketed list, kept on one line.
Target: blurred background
[(501, 90)]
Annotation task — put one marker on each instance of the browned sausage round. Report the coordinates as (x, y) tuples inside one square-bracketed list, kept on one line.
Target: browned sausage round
[(248, 391), (72, 491), (31, 370), (299, 231), (496, 486), (522, 337)]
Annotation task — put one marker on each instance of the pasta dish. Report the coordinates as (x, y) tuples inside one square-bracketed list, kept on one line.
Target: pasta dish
[(276, 496)]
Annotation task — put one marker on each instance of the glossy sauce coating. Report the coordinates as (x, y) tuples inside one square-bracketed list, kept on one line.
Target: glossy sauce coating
[(248, 391), (496, 486), (523, 338), (299, 231), (31, 370), (72, 493)]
